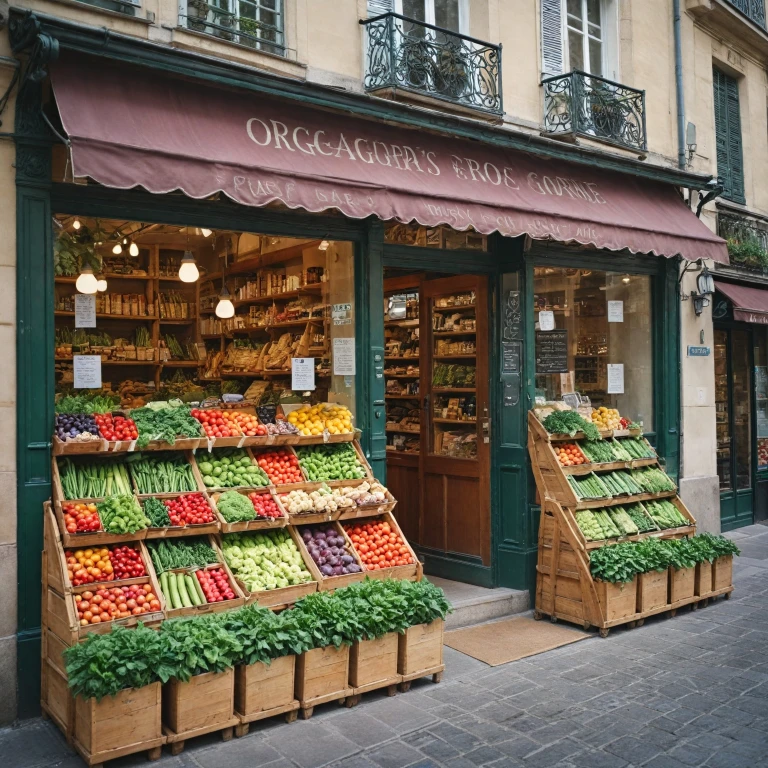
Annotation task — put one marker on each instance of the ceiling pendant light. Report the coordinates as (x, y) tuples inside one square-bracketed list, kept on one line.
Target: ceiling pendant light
[(101, 285), (76, 224), (205, 232), (225, 308), (86, 282), (323, 245), (188, 271), (117, 249), (133, 249)]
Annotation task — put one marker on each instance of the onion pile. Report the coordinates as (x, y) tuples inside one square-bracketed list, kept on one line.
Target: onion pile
[(327, 547)]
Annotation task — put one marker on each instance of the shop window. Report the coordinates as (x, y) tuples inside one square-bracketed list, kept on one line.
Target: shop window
[(593, 336), (730, 161), (761, 395), (254, 23), (159, 337), (434, 237)]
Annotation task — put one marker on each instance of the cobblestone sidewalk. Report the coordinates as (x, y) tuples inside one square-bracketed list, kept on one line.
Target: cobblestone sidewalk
[(690, 691)]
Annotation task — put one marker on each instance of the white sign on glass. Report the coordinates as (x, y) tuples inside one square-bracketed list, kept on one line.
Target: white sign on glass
[(344, 356), (615, 311), (546, 320), (302, 373), (87, 370), (616, 379), (85, 310)]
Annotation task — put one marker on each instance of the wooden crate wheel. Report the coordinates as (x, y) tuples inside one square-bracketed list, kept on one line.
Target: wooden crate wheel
[(553, 619), (587, 626), (226, 734), (391, 690), (632, 624), (306, 713), (727, 595), (437, 677), (405, 687), (640, 622), (177, 747), (605, 632), (290, 717), (538, 615), (154, 753), (353, 701), (242, 729)]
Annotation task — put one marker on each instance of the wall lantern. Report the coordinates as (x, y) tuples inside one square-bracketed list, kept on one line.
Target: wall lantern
[(705, 284)]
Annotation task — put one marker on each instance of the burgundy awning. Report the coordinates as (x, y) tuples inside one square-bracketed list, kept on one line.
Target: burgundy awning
[(750, 305), (135, 127)]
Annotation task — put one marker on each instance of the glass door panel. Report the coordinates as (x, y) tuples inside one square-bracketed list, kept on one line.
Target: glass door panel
[(722, 411), (742, 408)]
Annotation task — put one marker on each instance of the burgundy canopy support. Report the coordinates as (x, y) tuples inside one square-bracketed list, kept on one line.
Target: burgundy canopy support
[(134, 127)]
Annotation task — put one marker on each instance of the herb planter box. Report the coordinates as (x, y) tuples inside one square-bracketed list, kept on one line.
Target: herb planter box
[(652, 591), (205, 703), (420, 653), (618, 601), (722, 573), (265, 690), (373, 665), (703, 584), (322, 675), (119, 725), (682, 584)]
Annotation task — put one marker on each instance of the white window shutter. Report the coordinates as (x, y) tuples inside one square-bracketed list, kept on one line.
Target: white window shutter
[(377, 7), (551, 37)]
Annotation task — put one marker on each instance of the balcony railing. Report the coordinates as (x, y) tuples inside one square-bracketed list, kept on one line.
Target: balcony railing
[(747, 241), (752, 9), (582, 104), (407, 55), (252, 23)]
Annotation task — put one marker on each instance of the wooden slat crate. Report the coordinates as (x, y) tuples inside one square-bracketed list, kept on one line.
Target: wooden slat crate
[(420, 653), (373, 665), (265, 690), (322, 675)]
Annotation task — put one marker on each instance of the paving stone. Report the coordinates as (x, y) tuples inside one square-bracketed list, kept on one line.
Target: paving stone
[(238, 752), (483, 755), (362, 729), (518, 747), (553, 754), (312, 744), (632, 750), (596, 758), (395, 755)]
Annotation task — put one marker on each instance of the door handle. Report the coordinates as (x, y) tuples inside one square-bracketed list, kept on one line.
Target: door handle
[(425, 403)]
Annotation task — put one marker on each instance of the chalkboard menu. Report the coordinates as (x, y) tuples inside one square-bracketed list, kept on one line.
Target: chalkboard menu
[(551, 351)]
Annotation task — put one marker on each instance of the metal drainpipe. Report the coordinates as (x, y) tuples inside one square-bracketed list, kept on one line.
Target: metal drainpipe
[(681, 149)]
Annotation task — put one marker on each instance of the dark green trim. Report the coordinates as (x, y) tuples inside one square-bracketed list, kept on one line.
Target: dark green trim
[(76, 36), (457, 567)]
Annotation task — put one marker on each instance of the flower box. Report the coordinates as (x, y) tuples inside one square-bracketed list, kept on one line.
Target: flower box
[(682, 584), (618, 601), (420, 652), (652, 590), (722, 573), (264, 690)]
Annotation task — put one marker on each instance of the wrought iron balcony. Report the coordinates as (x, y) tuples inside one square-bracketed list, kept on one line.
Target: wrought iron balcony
[(752, 9), (407, 55), (747, 241), (252, 23), (585, 105)]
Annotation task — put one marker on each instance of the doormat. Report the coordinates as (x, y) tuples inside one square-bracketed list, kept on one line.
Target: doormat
[(503, 641)]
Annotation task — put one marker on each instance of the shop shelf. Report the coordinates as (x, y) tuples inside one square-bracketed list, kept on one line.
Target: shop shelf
[(133, 318)]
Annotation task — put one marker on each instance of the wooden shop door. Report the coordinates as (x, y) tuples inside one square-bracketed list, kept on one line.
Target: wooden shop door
[(454, 456)]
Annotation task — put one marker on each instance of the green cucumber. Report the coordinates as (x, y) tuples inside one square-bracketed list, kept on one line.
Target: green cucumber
[(164, 582), (173, 591), (199, 590), (182, 587), (191, 591)]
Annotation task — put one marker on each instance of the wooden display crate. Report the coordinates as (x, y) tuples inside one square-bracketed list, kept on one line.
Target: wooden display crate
[(652, 590), (703, 582), (618, 601), (119, 725), (420, 653), (204, 704), (306, 518), (681, 584), (722, 574), (74, 448), (373, 665), (283, 596), (368, 510), (326, 583), (322, 675), (265, 690), (175, 531), (90, 538), (198, 610), (255, 453), (412, 572), (259, 523), (190, 457)]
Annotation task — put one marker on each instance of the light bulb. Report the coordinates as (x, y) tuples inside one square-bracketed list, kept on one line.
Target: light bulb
[(118, 249), (225, 308), (324, 245), (206, 232), (125, 241), (86, 282), (101, 285), (188, 271), (625, 279), (76, 224), (134, 249)]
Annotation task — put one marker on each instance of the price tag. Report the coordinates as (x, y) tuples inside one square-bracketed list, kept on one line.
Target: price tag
[(132, 445), (242, 441), (326, 435), (210, 444)]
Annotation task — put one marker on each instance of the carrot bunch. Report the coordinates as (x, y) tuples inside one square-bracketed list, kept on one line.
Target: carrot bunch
[(378, 545), (570, 455)]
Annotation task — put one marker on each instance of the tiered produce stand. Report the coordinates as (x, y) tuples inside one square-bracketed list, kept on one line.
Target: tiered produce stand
[(585, 505), (224, 701)]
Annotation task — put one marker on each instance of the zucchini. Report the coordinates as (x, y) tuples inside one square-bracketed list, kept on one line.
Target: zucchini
[(182, 587), (173, 590), (199, 590), (191, 591)]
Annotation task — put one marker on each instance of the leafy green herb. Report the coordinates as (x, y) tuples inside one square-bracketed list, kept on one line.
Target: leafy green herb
[(165, 424), (157, 513), (188, 552), (162, 473), (569, 423)]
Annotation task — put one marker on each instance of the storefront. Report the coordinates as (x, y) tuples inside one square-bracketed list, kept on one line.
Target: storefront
[(741, 400), (473, 281)]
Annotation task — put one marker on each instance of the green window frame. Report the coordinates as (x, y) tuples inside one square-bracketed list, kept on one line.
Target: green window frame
[(730, 157)]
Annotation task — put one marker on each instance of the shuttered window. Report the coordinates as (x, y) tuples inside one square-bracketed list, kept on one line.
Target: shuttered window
[(730, 160), (551, 37), (377, 7)]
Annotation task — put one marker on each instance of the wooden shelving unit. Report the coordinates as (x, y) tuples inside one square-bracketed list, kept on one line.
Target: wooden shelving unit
[(565, 588)]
